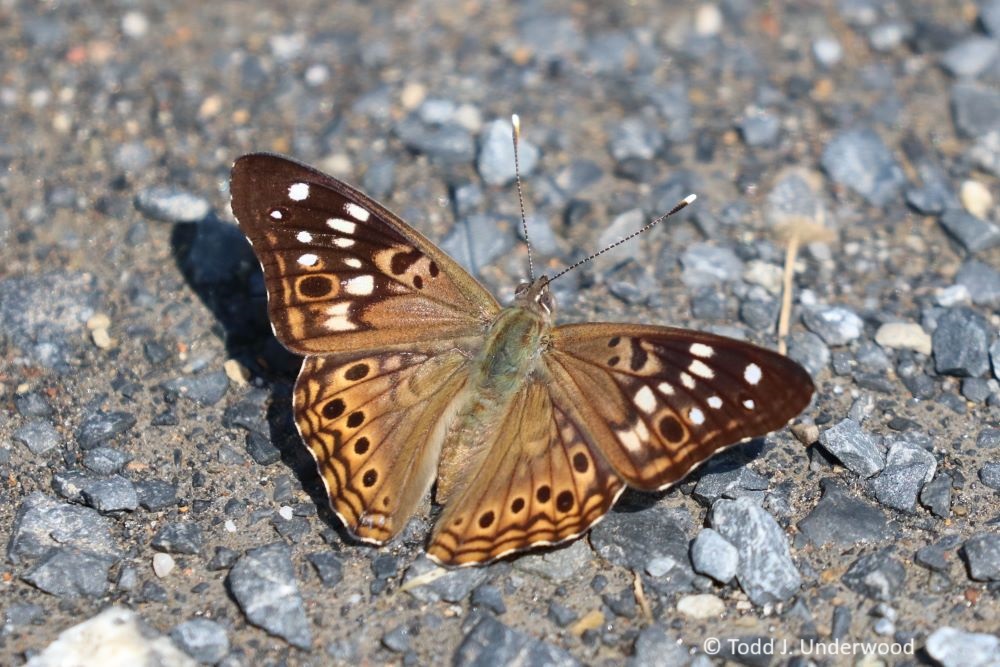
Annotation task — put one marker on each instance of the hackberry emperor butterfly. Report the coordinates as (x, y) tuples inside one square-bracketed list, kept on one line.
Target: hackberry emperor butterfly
[(413, 372)]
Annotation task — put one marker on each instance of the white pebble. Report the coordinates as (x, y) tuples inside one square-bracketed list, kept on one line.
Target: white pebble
[(904, 336), (976, 199), (163, 564), (701, 606), (285, 512)]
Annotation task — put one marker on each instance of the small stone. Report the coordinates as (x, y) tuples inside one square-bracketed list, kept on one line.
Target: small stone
[(446, 144), (623, 225), (116, 636), (843, 520), (479, 239), (878, 576), (102, 427), (938, 556), (976, 198), (989, 475), (977, 390), (202, 639), (105, 460), (490, 642), (961, 343), (860, 161), (178, 538), (635, 139), (454, 586), (897, 486), (705, 264), (496, 154), (972, 233), (853, 447), (163, 564), (767, 275), (114, 494), (904, 336), (656, 646), (985, 152), (975, 109), (827, 51), (951, 647), (835, 325), (557, 564), (223, 559), (989, 16), (982, 554), (623, 604), (701, 607), (42, 523), (560, 615), (808, 349), (714, 556), (204, 389), (261, 449), (70, 573), (988, 438), (489, 597), (760, 129), (172, 204), (936, 495), (980, 281), (263, 583), (328, 566), (397, 640), (970, 57), (156, 494), (33, 404), (38, 435), (766, 571)]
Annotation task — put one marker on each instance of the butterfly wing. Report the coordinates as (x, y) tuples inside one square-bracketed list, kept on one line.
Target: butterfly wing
[(659, 401), (539, 482), (375, 425), (342, 272)]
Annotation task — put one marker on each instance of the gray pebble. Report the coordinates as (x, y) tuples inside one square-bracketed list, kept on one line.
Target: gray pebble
[(975, 109), (203, 389), (113, 494), (860, 161), (854, 447), (328, 566), (970, 57), (952, 647), (836, 325), (496, 154), (936, 495), (202, 639), (760, 130), (263, 583), (766, 571), (635, 138), (103, 426), (397, 640), (808, 349), (476, 240), (982, 554), (156, 494), (989, 475), (897, 486), (455, 586), (560, 615), (878, 576), (972, 233), (33, 404), (105, 460), (981, 280), (70, 573), (490, 643), (961, 343), (42, 523), (445, 144), (714, 556), (705, 264), (841, 519), (38, 435), (178, 538)]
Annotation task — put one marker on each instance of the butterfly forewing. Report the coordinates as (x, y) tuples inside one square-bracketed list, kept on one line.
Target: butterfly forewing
[(661, 400), (342, 272)]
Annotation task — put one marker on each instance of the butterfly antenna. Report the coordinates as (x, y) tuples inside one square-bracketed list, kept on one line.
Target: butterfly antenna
[(515, 120), (680, 205)]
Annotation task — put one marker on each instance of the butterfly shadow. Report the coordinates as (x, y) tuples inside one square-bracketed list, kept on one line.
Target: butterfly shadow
[(218, 265)]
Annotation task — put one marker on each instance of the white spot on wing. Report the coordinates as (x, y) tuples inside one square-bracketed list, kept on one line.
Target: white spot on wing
[(276, 214), (752, 373), (360, 285), (700, 369), (298, 191), (714, 402), (308, 259), (353, 262), (749, 404), (696, 416), (666, 388), (341, 225), (304, 237), (339, 319), (343, 243), (357, 212), (702, 350), (645, 399), (642, 431), (687, 380), (630, 439)]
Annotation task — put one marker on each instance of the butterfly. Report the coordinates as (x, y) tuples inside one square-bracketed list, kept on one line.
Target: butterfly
[(414, 374)]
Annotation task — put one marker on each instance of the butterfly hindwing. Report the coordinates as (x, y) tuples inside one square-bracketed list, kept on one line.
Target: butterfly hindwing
[(370, 422), (539, 482), (661, 400), (342, 272)]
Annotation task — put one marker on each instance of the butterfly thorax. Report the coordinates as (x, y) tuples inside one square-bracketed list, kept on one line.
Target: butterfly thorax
[(509, 358)]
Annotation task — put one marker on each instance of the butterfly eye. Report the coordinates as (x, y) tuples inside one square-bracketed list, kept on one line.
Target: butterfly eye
[(521, 289)]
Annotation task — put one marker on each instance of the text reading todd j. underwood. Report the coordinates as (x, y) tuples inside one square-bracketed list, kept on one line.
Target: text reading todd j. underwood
[(773, 646)]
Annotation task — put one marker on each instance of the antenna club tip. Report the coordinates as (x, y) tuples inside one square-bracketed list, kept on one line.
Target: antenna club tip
[(515, 120), (690, 199)]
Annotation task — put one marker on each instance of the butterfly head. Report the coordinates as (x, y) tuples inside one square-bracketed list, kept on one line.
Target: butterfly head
[(535, 296)]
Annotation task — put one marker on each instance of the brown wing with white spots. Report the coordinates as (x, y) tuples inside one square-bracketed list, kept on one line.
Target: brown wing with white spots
[(342, 272), (659, 401), (375, 423), (539, 481)]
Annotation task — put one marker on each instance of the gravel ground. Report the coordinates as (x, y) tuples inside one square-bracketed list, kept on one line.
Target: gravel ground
[(152, 482)]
